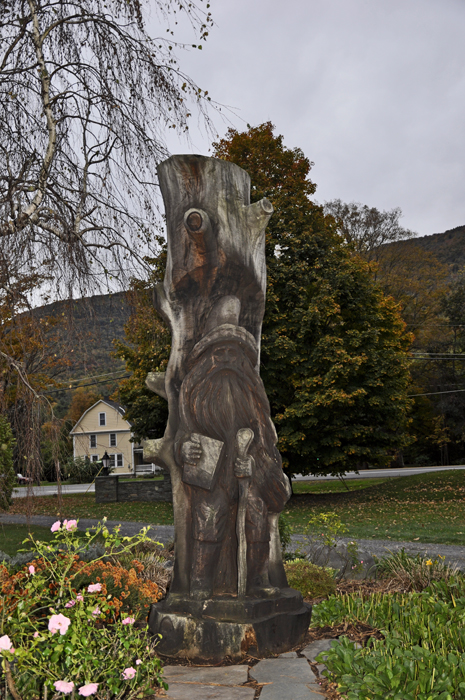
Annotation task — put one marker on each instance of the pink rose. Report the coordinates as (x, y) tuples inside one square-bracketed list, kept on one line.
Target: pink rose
[(138, 662), (80, 597), (64, 686), (70, 604), (128, 621), (56, 526), (32, 570), (88, 689), (129, 673), (94, 588), (97, 611), (70, 524), (5, 643), (59, 623), (35, 635)]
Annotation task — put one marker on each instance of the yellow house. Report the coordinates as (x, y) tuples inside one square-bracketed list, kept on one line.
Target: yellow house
[(103, 428)]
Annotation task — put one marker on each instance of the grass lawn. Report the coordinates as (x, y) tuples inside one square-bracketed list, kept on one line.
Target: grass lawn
[(334, 486), (13, 536), (82, 505), (424, 507)]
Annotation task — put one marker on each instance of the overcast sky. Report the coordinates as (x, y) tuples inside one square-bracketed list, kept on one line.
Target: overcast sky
[(373, 91)]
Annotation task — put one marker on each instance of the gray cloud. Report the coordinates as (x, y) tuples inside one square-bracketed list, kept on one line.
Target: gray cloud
[(373, 91)]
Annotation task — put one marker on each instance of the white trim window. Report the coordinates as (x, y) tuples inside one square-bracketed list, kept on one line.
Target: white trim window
[(94, 458), (93, 441), (116, 460), (112, 439), (102, 419)]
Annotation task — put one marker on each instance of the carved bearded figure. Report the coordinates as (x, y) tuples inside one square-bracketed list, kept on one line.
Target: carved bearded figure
[(221, 395)]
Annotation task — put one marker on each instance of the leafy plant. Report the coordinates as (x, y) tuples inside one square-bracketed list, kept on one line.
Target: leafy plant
[(422, 654), (417, 572), (62, 633), (311, 580), (323, 536)]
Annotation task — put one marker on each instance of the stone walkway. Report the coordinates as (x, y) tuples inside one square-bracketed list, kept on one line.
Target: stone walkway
[(287, 677)]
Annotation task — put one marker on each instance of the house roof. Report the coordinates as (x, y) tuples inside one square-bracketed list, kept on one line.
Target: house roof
[(112, 404)]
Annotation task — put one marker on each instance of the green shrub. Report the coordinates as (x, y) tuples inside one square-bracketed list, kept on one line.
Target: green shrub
[(7, 472), (81, 470), (311, 580)]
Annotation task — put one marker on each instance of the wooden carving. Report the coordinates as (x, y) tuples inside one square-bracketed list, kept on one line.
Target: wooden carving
[(220, 442)]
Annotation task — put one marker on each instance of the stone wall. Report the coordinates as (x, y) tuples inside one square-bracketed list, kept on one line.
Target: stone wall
[(109, 489)]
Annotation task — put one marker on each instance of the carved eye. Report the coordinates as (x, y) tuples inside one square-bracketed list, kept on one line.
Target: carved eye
[(194, 221)]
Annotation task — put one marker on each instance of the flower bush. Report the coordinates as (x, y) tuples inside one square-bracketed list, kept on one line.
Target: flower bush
[(62, 630)]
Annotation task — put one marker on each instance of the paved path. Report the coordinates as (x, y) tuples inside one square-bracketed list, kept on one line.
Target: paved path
[(287, 677), (165, 533)]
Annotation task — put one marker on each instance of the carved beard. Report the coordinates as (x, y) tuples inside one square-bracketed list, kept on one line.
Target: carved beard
[(219, 400)]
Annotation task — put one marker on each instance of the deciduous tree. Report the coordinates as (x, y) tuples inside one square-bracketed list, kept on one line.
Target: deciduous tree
[(87, 99), (366, 228), (334, 347)]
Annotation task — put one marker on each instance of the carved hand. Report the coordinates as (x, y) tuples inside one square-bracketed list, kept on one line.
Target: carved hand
[(243, 467), (191, 451)]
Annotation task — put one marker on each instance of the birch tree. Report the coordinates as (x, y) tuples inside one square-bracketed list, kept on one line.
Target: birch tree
[(88, 97)]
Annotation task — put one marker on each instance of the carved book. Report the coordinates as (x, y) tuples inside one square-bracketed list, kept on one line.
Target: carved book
[(202, 473)]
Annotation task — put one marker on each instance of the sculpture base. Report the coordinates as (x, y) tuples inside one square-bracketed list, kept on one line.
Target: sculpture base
[(226, 626)]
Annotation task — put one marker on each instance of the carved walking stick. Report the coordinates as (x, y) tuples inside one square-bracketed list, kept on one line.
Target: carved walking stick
[(243, 439)]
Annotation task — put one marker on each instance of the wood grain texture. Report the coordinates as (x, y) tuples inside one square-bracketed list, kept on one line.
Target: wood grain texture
[(213, 298)]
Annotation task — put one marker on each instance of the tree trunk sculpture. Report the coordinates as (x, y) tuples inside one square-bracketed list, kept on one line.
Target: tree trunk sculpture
[(220, 442)]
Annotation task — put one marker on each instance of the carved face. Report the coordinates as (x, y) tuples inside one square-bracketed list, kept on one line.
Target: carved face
[(226, 355)]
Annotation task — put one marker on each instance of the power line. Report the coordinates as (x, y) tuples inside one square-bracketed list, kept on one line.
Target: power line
[(71, 388), (436, 393), (97, 376)]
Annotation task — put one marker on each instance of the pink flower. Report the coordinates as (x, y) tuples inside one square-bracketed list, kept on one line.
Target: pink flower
[(80, 597), (97, 611), (128, 621), (64, 686), (5, 644), (70, 524), (70, 604), (59, 623), (32, 570), (129, 673), (138, 662), (94, 588), (56, 526), (36, 634), (88, 689)]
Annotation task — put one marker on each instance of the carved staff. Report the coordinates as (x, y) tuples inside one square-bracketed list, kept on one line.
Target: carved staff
[(243, 439)]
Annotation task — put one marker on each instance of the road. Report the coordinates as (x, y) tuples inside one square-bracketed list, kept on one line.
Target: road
[(23, 491), (379, 473)]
